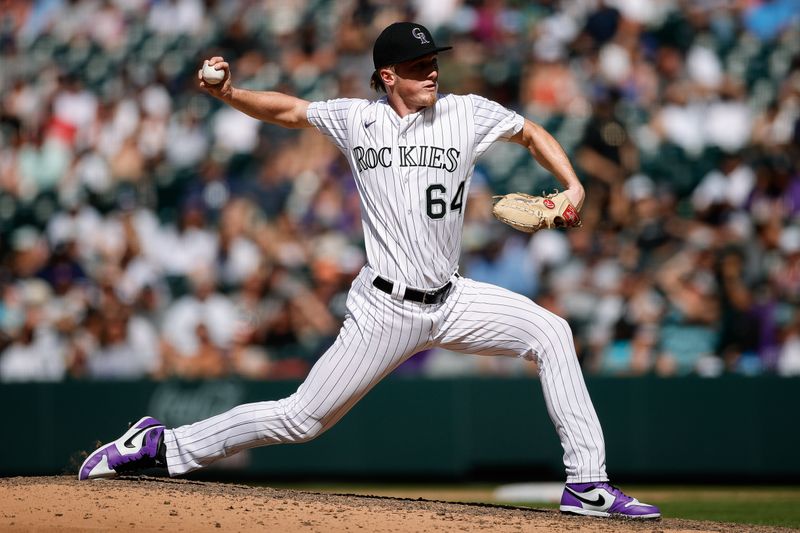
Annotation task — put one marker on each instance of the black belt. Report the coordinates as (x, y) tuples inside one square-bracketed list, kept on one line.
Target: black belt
[(424, 297)]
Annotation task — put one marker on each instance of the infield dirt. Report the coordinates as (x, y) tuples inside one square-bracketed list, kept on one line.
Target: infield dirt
[(163, 504)]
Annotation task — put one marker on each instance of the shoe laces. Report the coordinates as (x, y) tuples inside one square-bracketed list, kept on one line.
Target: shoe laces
[(616, 491)]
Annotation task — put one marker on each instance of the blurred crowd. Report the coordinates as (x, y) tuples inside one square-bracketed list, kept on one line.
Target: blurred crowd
[(148, 231)]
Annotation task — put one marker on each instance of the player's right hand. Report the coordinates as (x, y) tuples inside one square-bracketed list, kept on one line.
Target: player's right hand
[(223, 88), (576, 195)]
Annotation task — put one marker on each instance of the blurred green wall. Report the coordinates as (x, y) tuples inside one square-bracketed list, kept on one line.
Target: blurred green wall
[(687, 429)]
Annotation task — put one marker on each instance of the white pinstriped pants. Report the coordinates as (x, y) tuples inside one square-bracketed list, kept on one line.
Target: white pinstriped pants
[(379, 333)]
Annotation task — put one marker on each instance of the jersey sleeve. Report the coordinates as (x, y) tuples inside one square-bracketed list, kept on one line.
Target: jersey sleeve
[(330, 117), (493, 122)]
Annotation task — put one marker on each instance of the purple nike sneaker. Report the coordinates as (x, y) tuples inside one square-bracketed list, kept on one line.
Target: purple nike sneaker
[(140, 447), (604, 499)]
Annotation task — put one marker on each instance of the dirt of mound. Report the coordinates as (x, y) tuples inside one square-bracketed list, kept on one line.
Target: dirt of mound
[(162, 504)]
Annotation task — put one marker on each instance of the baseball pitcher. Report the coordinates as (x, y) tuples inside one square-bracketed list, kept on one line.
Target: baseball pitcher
[(412, 154)]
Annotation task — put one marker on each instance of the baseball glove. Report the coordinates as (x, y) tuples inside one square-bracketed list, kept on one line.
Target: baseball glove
[(528, 213)]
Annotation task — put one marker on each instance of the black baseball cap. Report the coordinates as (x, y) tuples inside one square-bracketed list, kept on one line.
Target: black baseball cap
[(403, 41)]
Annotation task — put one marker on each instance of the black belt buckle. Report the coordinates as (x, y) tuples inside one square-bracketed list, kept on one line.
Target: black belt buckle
[(434, 297), (428, 297)]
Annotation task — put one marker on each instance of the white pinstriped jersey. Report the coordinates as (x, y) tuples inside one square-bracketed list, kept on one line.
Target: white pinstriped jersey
[(413, 175)]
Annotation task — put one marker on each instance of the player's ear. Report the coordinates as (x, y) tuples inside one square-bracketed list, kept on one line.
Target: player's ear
[(388, 76)]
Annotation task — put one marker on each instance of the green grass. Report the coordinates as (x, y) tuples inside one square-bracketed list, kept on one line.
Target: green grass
[(786, 514), (774, 506)]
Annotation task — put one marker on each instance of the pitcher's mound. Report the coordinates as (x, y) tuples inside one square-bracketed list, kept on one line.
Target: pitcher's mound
[(163, 504)]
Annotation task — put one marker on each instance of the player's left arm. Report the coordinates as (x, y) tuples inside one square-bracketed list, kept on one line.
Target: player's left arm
[(548, 153)]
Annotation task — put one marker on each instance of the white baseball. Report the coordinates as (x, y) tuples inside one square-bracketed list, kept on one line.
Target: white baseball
[(211, 75)]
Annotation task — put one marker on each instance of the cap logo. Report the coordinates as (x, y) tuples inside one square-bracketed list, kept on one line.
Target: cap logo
[(419, 34)]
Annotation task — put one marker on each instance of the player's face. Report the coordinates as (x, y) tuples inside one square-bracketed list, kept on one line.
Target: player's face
[(416, 81)]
